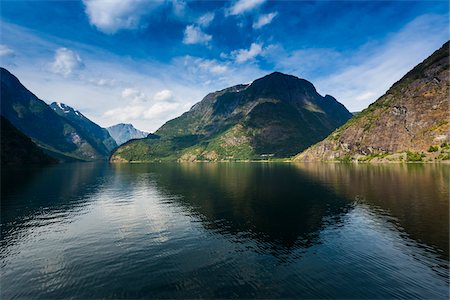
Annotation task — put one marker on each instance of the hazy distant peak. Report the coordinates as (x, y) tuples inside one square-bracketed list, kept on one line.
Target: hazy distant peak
[(123, 132)]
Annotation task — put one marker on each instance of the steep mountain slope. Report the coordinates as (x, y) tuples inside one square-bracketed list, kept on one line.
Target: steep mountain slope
[(122, 133), (410, 122), (272, 117), (17, 148), (38, 121), (97, 136)]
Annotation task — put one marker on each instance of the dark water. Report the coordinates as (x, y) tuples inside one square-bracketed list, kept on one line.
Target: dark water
[(238, 230)]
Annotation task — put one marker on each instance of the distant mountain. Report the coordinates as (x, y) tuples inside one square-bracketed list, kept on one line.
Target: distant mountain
[(275, 116), (97, 136), (122, 133), (17, 148), (45, 127), (410, 122)]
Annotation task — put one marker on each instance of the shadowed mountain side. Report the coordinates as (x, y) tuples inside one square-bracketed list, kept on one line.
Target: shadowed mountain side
[(397, 191), (275, 116), (16, 148), (37, 120), (252, 200), (410, 122)]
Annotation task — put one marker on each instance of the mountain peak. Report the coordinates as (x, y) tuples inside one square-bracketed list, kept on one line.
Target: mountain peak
[(279, 82), (66, 109), (123, 132)]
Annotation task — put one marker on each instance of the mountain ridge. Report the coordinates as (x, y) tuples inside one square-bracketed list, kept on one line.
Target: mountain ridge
[(37, 120), (275, 115)]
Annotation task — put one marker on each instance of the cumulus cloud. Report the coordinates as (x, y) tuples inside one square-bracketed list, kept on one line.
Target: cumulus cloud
[(244, 55), (164, 95), (264, 20), (243, 6), (194, 35), (66, 62), (109, 16), (6, 51), (140, 106)]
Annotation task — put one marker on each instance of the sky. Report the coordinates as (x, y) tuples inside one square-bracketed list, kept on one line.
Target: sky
[(147, 61)]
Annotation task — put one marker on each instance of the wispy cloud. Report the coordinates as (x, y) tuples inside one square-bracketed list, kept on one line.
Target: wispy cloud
[(194, 35), (242, 6), (264, 20), (371, 70), (206, 19), (6, 51)]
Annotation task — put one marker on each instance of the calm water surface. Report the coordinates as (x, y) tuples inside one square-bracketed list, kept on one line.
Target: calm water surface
[(230, 230)]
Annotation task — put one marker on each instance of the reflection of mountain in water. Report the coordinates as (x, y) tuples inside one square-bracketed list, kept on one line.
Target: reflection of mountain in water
[(415, 195), (272, 203), (49, 193)]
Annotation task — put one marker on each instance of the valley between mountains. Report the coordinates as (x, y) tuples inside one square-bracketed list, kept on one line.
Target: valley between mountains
[(278, 117)]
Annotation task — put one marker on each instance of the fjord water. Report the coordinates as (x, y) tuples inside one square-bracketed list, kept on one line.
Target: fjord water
[(226, 230)]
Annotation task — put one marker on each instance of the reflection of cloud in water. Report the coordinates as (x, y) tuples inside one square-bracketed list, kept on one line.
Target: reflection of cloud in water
[(269, 203), (415, 196)]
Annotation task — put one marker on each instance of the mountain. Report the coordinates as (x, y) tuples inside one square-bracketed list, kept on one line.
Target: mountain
[(17, 148), (410, 122), (274, 116), (97, 136), (122, 133), (45, 127)]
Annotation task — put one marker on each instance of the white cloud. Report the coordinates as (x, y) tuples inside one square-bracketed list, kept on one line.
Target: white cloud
[(109, 16), (164, 95), (65, 62), (194, 35), (140, 106), (244, 55), (211, 66), (161, 110), (243, 6), (134, 95), (206, 19), (264, 20), (6, 51), (125, 113)]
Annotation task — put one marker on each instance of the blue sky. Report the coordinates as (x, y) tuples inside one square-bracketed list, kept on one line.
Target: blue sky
[(145, 62)]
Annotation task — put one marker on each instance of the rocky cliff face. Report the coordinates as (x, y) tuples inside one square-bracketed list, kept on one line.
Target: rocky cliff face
[(275, 116), (410, 122)]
